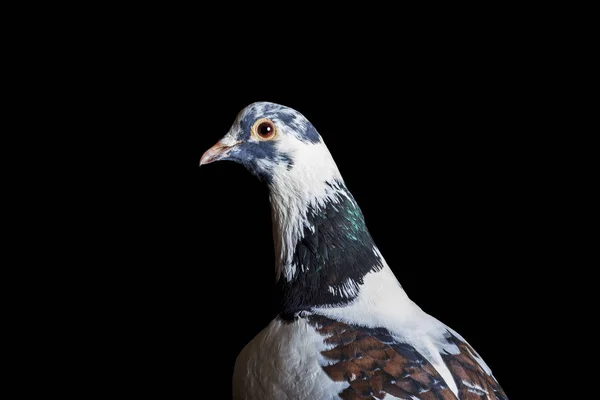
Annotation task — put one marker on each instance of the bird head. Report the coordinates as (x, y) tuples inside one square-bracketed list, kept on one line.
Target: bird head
[(275, 143), (323, 248)]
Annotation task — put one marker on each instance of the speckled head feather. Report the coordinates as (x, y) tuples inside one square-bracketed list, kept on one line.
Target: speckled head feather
[(267, 158)]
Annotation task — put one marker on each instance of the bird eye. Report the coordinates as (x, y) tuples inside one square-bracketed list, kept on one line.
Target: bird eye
[(264, 129)]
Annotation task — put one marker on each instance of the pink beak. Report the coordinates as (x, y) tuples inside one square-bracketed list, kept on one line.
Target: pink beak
[(215, 153)]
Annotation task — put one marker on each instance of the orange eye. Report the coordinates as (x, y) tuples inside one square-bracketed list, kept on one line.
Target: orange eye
[(264, 129)]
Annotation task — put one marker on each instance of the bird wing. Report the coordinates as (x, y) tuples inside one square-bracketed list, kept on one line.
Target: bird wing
[(376, 365), (472, 379)]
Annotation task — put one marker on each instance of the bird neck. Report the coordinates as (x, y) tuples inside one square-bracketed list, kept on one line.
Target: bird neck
[(323, 249)]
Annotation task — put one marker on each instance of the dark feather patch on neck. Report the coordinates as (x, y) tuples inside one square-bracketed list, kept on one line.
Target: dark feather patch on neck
[(331, 259)]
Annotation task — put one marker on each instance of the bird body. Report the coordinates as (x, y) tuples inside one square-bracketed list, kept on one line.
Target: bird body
[(346, 329)]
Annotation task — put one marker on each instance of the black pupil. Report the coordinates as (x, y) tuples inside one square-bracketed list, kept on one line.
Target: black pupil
[(264, 129)]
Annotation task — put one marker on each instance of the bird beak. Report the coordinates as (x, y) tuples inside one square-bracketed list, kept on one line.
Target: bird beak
[(216, 153)]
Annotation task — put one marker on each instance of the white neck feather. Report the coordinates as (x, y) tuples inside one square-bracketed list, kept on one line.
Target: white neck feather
[(312, 181), (381, 299)]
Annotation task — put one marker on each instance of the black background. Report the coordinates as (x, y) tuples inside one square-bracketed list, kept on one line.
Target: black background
[(429, 130)]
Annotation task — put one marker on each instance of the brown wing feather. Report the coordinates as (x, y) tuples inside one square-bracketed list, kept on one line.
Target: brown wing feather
[(375, 365), (472, 381)]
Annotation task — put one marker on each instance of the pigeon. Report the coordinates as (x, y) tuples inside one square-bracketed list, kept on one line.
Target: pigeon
[(345, 327)]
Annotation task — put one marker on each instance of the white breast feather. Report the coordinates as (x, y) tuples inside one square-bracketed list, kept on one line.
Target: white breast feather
[(284, 361)]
